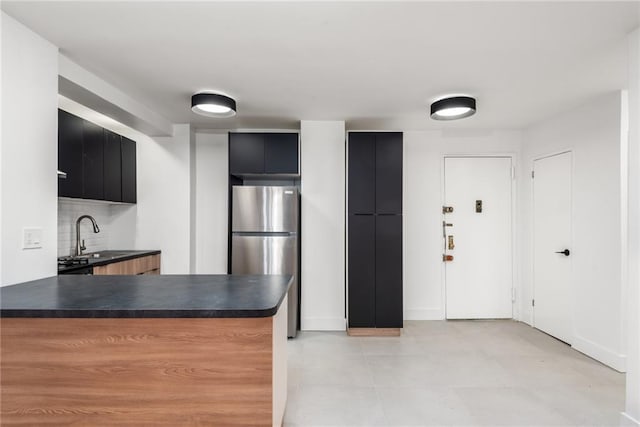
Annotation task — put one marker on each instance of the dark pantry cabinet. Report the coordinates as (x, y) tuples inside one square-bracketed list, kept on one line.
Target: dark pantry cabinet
[(375, 230), (263, 153), (100, 164)]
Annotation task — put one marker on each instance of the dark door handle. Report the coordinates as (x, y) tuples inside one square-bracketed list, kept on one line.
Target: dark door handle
[(566, 252)]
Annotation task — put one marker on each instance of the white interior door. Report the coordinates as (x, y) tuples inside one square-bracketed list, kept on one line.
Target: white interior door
[(479, 279), (552, 234)]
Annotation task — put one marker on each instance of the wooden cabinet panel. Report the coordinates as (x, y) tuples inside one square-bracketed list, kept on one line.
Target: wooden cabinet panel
[(112, 166), (142, 372), (362, 173), (70, 134), (143, 265)]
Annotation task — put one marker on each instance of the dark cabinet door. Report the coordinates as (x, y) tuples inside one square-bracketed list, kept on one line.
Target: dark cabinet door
[(388, 175), (128, 153), (246, 153), (281, 153), (388, 271), (93, 161), (362, 272), (112, 166), (70, 134), (362, 173)]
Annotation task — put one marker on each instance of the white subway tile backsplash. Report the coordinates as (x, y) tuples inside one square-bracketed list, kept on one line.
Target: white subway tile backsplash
[(68, 212)]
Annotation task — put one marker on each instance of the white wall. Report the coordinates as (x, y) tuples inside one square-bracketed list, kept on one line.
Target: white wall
[(322, 165), (29, 151), (593, 133), (422, 206), (212, 198), (632, 410), (162, 217)]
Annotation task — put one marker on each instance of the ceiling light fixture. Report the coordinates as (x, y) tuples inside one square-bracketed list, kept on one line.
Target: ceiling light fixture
[(452, 108), (213, 105)]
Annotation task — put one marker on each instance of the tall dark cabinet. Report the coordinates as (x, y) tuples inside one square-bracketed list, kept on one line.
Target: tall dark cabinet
[(375, 230)]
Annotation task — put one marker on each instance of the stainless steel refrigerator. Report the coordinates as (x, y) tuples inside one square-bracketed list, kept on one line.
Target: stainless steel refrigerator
[(264, 237)]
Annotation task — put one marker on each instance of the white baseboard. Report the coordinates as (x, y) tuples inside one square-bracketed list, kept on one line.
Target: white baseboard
[(323, 324), (423, 314), (601, 354), (627, 420)]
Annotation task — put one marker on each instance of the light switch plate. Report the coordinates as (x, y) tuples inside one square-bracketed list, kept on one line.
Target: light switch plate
[(31, 238)]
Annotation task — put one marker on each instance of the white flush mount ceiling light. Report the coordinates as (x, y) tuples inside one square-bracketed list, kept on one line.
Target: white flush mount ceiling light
[(213, 105), (452, 108)]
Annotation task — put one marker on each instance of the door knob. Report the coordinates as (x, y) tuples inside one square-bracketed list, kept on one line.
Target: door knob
[(566, 252)]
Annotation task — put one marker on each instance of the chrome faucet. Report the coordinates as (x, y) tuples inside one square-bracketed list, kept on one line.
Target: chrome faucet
[(80, 246)]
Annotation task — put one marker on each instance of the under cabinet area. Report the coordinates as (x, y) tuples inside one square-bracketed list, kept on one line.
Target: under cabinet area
[(143, 265)]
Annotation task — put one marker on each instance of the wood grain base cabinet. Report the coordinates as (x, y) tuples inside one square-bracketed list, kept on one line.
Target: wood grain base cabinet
[(144, 372), (143, 265)]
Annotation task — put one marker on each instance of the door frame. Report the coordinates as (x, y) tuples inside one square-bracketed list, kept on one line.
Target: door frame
[(532, 242), (515, 272)]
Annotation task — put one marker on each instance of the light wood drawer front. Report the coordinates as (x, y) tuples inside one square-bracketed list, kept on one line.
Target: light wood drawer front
[(143, 265)]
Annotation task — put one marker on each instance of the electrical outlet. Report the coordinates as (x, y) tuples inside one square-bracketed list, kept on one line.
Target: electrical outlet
[(31, 238)]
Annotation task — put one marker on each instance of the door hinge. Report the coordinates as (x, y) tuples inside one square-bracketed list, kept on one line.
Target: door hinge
[(533, 174), (533, 303), (513, 294)]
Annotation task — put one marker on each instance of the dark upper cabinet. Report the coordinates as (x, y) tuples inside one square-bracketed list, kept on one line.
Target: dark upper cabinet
[(388, 173), (281, 153), (100, 164), (70, 136), (246, 153), (129, 192), (93, 161), (362, 271), (362, 173), (375, 172), (388, 271), (263, 153), (112, 166)]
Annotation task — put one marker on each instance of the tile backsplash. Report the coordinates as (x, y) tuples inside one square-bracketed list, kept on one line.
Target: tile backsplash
[(68, 212)]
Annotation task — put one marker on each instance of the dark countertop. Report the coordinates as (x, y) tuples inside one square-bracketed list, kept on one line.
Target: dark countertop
[(163, 296), (122, 255)]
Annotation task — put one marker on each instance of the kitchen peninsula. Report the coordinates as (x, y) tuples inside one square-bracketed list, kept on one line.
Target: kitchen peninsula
[(145, 350)]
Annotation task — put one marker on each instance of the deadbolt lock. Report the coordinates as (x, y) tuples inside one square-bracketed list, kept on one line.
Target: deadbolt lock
[(447, 209)]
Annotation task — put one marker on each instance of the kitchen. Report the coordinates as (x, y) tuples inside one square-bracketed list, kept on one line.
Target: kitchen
[(182, 171)]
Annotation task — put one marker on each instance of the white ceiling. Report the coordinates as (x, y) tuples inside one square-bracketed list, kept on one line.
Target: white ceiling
[(374, 64)]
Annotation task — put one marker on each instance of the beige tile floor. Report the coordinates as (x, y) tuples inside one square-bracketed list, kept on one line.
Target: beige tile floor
[(439, 373)]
